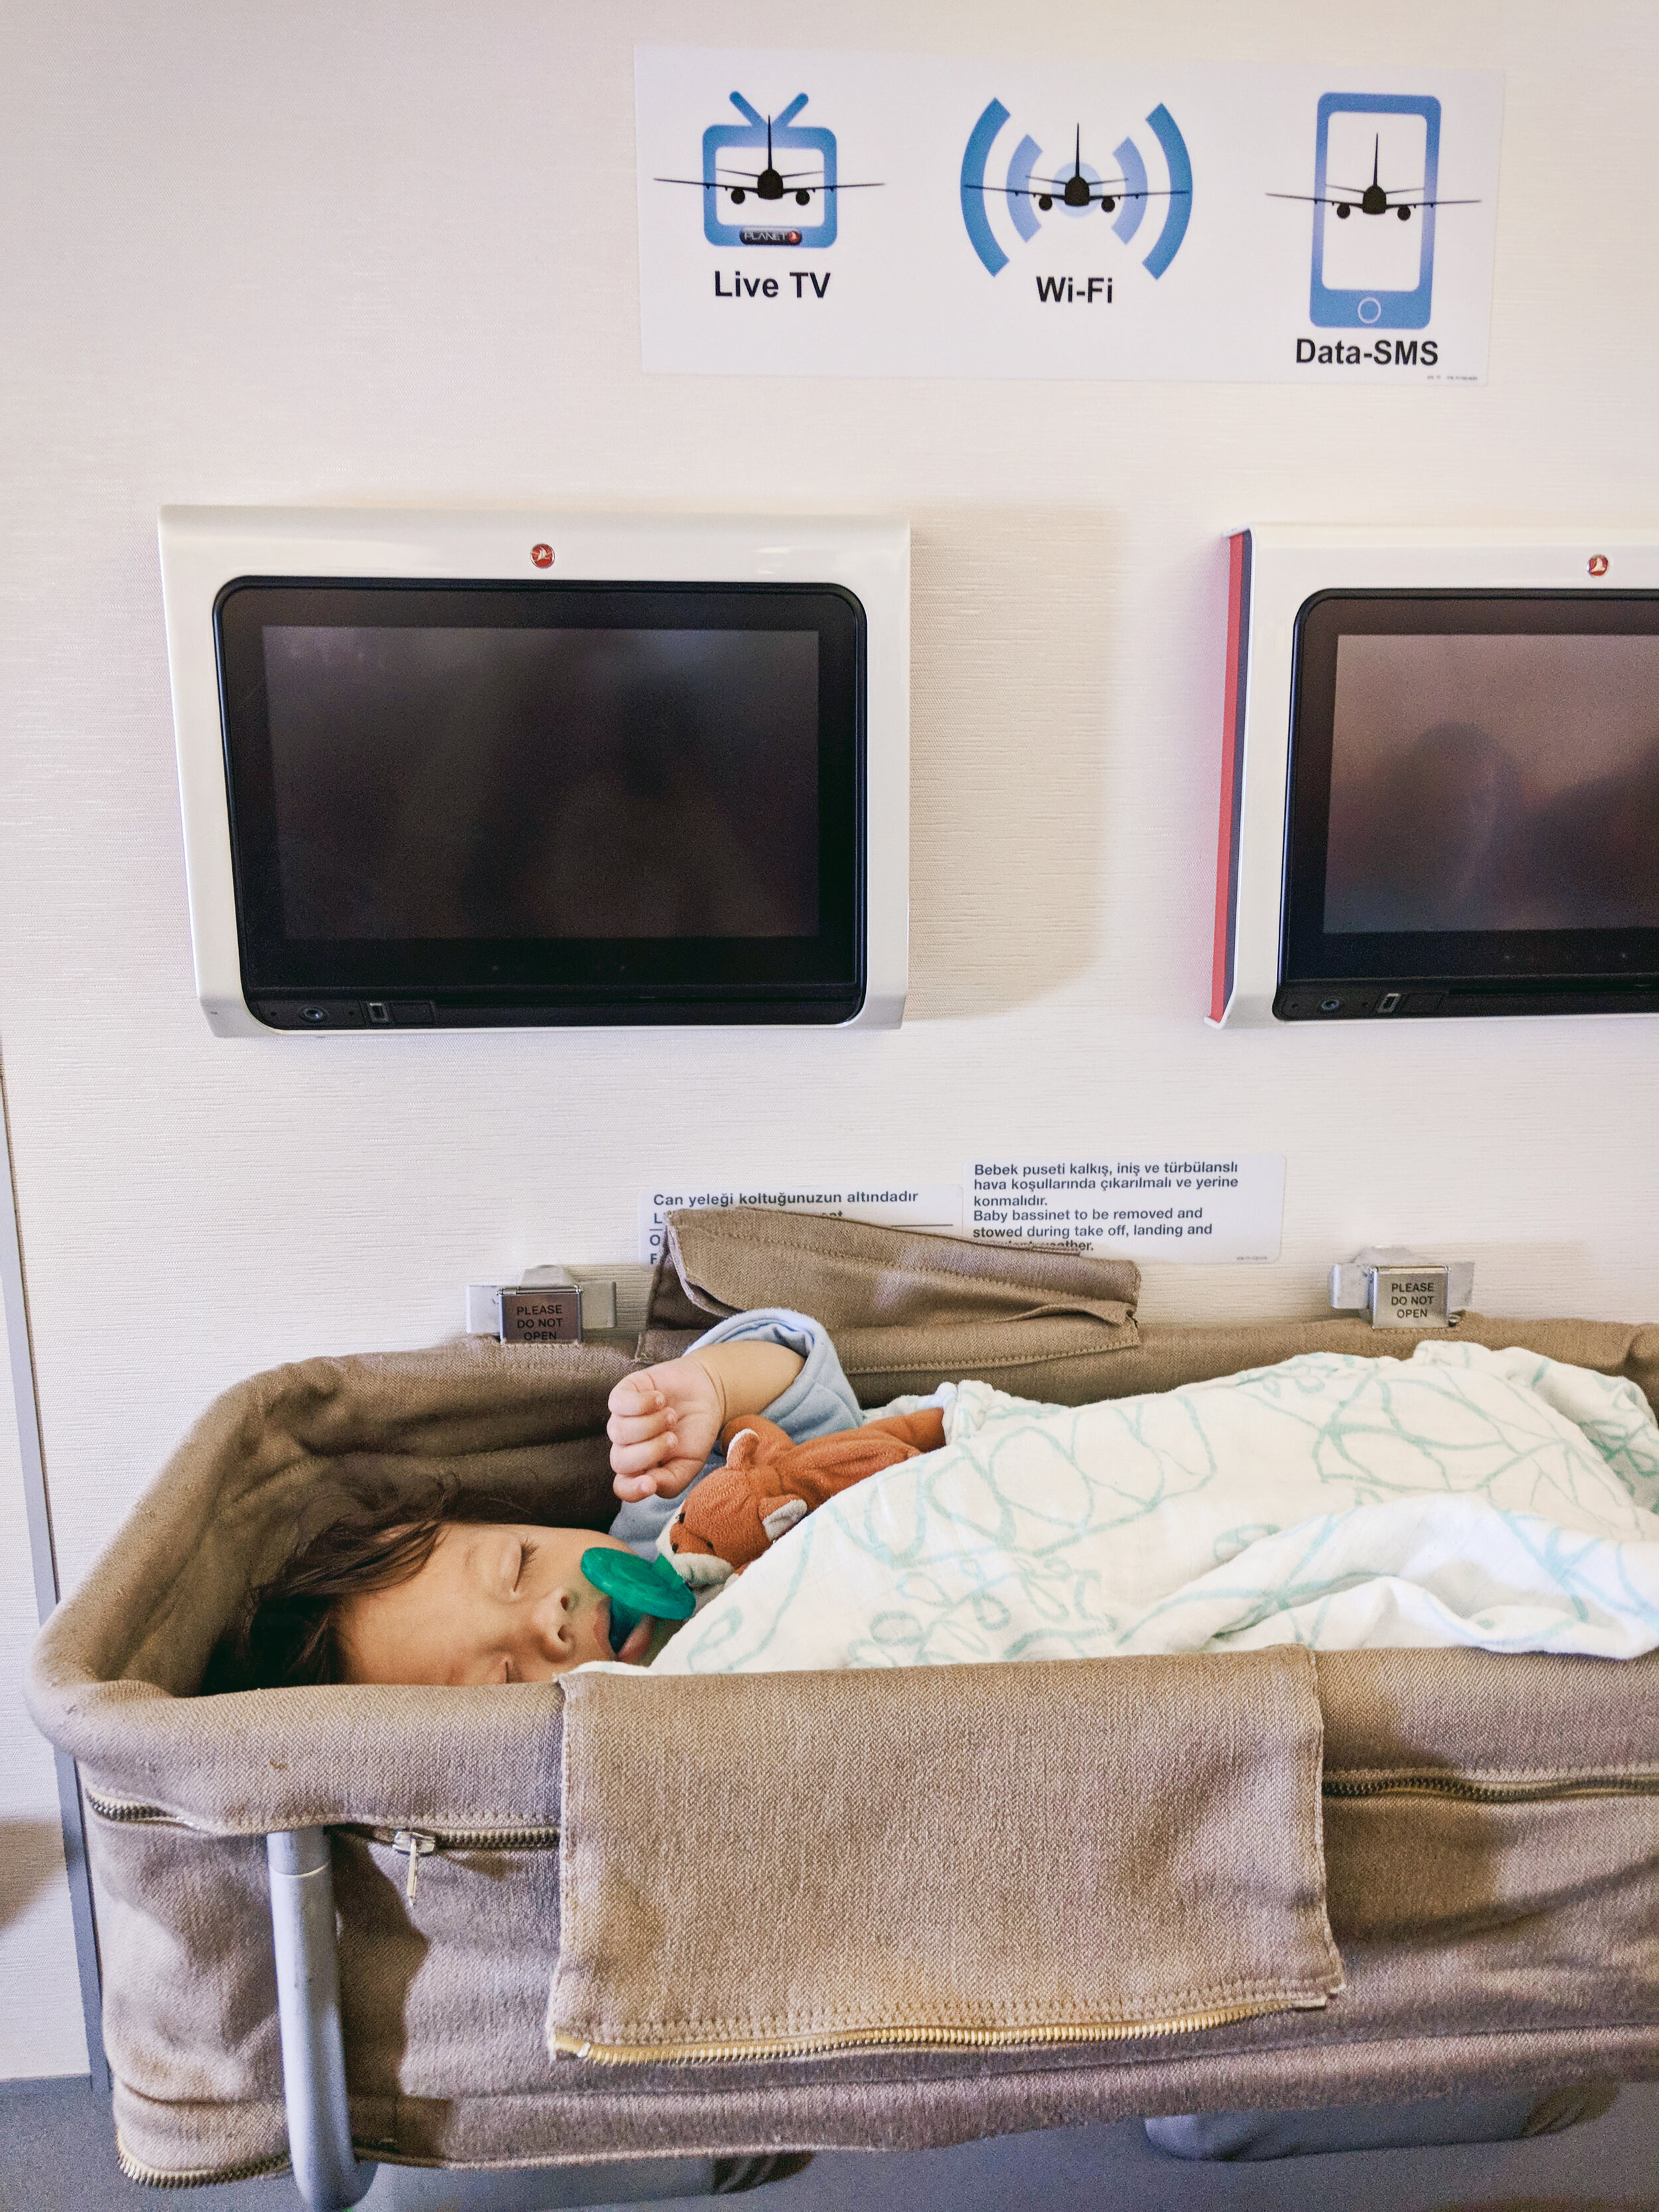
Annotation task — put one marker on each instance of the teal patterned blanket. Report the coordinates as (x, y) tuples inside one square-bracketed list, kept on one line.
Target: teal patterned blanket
[(1461, 1496)]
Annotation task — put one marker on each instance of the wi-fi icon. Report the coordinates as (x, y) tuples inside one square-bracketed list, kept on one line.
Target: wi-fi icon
[(1034, 186)]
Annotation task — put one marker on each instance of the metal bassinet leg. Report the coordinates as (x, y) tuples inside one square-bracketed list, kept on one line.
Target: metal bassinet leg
[(326, 2170)]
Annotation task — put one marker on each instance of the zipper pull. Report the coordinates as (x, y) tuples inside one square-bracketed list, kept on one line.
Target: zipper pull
[(417, 1845)]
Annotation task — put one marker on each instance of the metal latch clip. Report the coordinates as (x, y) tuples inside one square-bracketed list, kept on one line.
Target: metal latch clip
[(546, 1305), (1401, 1289)]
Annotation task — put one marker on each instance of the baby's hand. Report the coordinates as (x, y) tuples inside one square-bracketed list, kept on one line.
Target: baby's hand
[(664, 1422)]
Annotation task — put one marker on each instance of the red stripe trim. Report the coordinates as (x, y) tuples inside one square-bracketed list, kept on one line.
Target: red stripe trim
[(1223, 883)]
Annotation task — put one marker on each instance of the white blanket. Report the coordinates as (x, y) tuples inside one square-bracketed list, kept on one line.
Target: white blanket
[(1460, 1497)]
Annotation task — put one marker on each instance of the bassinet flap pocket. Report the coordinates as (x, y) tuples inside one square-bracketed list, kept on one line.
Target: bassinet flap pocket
[(853, 1275), (758, 1864)]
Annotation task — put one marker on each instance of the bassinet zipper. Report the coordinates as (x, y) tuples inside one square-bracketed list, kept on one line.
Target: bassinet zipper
[(414, 1844), (935, 2038), (1541, 1790), (417, 1844), (129, 1814), (161, 2176), (444, 1839), (469, 1839)]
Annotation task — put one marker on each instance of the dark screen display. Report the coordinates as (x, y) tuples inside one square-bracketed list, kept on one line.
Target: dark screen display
[(446, 782), (559, 801), (1493, 782)]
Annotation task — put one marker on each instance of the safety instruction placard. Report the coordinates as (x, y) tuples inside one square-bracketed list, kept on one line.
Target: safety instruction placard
[(890, 1201), (1165, 1204), (899, 215), (1153, 1203)]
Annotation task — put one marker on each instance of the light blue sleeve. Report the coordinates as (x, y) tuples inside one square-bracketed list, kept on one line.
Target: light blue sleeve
[(819, 1402)]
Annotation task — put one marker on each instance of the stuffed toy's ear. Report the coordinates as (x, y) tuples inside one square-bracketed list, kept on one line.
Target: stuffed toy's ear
[(744, 1450), (768, 1439), (779, 1514)]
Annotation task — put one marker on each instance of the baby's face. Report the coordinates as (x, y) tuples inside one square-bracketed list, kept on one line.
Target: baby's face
[(496, 1602)]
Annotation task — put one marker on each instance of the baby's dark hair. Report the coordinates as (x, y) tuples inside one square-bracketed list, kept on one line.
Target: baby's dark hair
[(287, 1631)]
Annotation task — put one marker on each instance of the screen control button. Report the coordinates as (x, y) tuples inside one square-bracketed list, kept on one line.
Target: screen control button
[(311, 1013)]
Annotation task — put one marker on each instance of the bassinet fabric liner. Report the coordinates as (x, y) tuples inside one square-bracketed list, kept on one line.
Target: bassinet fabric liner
[(1491, 1826), (1154, 1863)]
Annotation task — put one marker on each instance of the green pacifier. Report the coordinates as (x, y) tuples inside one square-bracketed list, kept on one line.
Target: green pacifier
[(639, 1589)]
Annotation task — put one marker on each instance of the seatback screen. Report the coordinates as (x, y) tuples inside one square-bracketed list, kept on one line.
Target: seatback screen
[(604, 801), (1494, 783), (450, 783), (1474, 802)]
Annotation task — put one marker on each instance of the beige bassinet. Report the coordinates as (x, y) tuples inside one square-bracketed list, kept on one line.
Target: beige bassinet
[(630, 1917)]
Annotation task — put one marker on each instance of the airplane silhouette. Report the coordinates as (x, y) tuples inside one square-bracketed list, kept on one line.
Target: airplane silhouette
[(767, 183), (1371, 198), (1077, 191)]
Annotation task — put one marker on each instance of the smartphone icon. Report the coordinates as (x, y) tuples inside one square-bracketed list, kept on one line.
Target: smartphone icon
[(1376, 165)]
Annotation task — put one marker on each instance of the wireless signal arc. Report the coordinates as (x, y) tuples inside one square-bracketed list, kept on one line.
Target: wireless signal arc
[(1028, 193)]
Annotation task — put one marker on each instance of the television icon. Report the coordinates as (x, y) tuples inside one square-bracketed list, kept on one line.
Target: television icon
[(765, 161)]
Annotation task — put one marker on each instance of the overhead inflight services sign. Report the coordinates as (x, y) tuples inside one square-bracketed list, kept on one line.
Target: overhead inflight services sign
[(888, 215)]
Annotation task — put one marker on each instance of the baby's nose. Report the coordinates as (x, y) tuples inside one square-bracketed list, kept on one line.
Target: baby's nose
[(550, 1622)]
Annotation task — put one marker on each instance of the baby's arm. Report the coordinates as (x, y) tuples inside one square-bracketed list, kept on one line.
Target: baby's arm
[(665, 1419)]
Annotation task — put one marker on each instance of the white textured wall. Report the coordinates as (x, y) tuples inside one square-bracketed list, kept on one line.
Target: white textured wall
[(387, 251)]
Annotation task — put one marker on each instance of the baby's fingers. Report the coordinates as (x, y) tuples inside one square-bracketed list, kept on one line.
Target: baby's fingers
[(639, 1428), (639, 1459), (673, 1476), (635, 1394), (631, 1487)]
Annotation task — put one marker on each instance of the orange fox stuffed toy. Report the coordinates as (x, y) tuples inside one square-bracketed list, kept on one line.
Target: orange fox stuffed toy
[(768, 1484)]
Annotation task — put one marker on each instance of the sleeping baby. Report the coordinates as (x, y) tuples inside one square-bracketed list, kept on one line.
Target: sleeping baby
[(439, 1584), (1461, 1496)]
